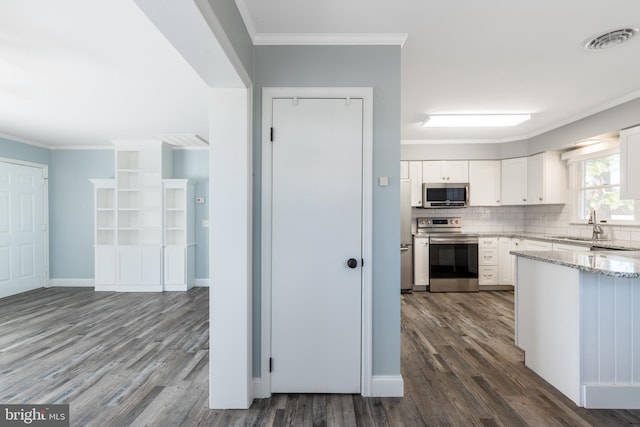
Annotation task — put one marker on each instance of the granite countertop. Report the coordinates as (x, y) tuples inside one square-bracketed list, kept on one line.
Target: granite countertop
[(624, 245), (607, 263)]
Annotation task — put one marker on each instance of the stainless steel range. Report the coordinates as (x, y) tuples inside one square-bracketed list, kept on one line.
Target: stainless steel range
[(453, 255)]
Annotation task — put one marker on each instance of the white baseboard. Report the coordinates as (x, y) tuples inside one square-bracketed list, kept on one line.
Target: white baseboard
[(387, 386), (611, 396), (73, 283), (381, 386), (259, 389), (201, 283)]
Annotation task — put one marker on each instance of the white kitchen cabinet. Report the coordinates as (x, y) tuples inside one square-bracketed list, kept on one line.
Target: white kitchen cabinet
[(546, 179), (415, 175), (445, 171), (179, 235), (629, 170), (404, 170), (573, 248), (505, 261), (537, 245), (420, 263), (484, 182), (487, 261), (513, 181)]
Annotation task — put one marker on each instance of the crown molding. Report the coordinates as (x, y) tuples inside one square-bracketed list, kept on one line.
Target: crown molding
[(24, 141), (355, 39)]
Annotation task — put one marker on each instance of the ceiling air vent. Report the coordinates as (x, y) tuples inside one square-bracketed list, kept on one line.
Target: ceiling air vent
[(610, 39)]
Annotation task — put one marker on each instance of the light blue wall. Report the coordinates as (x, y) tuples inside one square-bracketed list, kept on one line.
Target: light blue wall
[(194, 165), (611, 120), (25, 152), (331, 66), (71, 215)]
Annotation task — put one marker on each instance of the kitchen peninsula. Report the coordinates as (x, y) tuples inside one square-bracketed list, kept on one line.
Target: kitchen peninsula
[(577, 321)]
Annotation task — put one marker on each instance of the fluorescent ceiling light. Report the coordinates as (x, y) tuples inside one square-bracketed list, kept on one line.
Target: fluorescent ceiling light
[(474, 120)]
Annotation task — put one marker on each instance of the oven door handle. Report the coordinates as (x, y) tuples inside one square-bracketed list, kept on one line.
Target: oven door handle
[(452, 240)]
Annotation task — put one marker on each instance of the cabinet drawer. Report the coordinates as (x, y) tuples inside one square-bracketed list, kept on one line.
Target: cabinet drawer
[(488, 275), (488, 256), (488, 242)]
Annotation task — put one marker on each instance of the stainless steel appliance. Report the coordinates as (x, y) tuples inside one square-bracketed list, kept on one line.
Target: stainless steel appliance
[(453, 256), (406, 239), (445, 195)]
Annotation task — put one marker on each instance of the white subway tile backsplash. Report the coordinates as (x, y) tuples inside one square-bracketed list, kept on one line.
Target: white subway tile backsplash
[(551, 219)]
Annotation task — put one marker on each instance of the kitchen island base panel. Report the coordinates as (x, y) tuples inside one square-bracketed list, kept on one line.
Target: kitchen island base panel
[(611, 397), (580, 330), (548, 324)]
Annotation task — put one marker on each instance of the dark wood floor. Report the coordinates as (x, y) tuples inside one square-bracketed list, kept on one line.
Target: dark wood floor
[(142, 360)]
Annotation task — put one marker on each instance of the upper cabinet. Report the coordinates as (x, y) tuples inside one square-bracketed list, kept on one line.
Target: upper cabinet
[(415, 175), (445, 171), (514, 181), (484, 182), (534, 180), (546, 179), (629, 171), (404, 170)]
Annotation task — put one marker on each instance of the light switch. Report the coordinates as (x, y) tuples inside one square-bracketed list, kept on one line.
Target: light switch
[(383, 181), (205, 223)]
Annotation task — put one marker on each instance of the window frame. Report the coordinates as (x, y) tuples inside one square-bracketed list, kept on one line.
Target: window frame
[(576, 166)]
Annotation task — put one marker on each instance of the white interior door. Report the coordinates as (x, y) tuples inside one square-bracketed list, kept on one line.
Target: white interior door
[(21, 228), (316, 229)]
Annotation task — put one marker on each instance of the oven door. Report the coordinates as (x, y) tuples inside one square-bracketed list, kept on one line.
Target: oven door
[(453, 264)]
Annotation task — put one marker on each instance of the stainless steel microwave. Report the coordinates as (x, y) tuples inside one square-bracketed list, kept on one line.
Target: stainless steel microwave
[(445, 195)]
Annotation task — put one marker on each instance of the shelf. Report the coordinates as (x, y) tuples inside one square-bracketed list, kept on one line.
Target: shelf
[(175, 209)]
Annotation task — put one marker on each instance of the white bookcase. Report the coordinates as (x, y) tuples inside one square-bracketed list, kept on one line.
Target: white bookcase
[(138, 215), (105, 233), (179, 235)]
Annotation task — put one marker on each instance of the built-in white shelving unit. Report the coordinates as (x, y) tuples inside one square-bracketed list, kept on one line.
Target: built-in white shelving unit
[(179, 235), (138, 215)]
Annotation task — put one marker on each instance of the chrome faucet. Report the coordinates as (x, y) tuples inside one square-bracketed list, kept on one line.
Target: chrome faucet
[(597, 230)]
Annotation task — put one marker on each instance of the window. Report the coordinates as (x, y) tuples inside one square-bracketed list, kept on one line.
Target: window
[(597, 186)]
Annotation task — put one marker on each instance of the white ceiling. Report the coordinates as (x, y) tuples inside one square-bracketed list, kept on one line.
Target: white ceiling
[(490, 56), (84, 72)]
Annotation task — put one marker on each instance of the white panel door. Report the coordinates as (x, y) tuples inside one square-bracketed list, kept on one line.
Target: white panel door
[(316, 229), (21, 228)]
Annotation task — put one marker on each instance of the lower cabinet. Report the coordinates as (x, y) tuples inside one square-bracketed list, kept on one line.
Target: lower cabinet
[(505, 261), (495, 264), (139, 269), (487, 262), (420, 263), (105, 264), (179, 267)]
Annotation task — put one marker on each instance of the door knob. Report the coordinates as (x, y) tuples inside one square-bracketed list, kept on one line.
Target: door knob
[(352, 263)]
